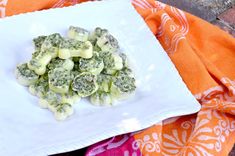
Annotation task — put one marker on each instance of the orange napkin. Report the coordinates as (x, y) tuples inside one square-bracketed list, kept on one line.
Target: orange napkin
[(205, 58), (204, 55), (13, 7)]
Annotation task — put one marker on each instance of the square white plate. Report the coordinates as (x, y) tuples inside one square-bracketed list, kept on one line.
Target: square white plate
[(26, 129)]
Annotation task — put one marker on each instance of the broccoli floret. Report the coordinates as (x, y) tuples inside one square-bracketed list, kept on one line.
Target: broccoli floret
[(94, 65), (73, 48), (77, 33), (25, 76), (85, 84), (101, 98), (59, 80)]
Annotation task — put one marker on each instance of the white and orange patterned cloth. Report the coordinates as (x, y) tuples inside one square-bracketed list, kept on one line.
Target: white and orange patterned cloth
[(205, 58)]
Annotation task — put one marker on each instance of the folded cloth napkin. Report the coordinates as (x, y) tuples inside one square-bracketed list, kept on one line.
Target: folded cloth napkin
[(205, 58)]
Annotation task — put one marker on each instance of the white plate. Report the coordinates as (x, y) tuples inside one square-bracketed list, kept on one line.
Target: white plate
[(26, 129)]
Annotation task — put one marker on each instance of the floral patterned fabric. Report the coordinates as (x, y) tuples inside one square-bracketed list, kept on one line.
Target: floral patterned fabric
[(205, 58)]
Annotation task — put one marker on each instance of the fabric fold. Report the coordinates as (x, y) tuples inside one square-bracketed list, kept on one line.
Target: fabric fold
[(204, 55)]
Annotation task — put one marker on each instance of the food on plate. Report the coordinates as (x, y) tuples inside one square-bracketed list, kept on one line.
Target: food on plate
[(61, 63), (96, 34), (107, 42), (62, 111), (74, 48), (48, 50), (59, 80), (78, 33), (101, 98), (25, 76), (62, 70), (49, 98), (85, 84), (112, 62), (38, 42), (124, 59), (94, 65), (71, 97), (104, 82), (40, 87), (123, 85)]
